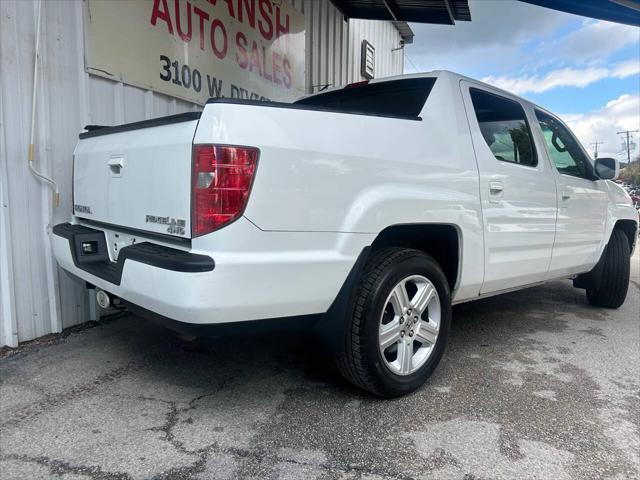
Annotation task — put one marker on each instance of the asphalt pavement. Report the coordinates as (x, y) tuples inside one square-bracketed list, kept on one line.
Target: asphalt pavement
[(534, 385)]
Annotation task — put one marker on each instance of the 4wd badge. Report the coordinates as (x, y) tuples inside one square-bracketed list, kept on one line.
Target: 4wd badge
[(175, 226)]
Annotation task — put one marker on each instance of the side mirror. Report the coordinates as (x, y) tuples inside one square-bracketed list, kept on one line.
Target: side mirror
[(607, 168)]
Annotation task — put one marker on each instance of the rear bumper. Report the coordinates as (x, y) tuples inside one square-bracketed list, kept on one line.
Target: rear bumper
[(164, 280), (148, 253), (257, 275)]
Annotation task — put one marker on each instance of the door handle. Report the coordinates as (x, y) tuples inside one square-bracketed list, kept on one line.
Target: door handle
[(495, 191), (566, 195), (495, 188)]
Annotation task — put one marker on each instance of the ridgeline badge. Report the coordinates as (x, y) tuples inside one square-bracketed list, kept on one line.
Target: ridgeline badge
[(175, 226), (82, 209)]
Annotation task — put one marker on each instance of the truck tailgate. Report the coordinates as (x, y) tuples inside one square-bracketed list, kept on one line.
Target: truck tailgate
[(137, 176)]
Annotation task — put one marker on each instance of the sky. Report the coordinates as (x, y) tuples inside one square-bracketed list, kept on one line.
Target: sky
[(586, 71)]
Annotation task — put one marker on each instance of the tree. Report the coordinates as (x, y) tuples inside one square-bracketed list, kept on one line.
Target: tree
[(631, 174)]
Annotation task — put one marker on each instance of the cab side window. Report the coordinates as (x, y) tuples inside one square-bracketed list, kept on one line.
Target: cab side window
[(563, 148), (504, 127)]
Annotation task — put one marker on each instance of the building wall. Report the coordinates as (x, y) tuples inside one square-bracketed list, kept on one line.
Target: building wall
[(37, 297), (384, 37)]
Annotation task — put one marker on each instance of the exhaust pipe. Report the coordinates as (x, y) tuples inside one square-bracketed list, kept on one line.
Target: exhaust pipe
[(103, 299)]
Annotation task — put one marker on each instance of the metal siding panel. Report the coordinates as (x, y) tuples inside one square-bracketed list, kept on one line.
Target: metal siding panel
[(118, 103), (355, 34), (60, 120), (345, 52), (8, 326), (23, 192), (323, 45), (68, 98), (308, 68), (71, 292), (182, 106), (315, 46), (385, 55), (340, 60), (8, 52), (161, 105), (384, 37), (358, 56), (351, 53), (102, 110), (331, 47), (133, 103), (330, 38), (381, 40)]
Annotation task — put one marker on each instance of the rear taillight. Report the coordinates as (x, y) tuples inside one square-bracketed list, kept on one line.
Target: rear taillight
[(221, 180)]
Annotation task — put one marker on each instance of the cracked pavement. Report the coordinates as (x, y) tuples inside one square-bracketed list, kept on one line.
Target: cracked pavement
[(534, 385)]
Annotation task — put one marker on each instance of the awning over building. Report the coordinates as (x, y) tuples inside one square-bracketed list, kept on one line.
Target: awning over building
[(447, 12), (619, 11), (444, 12)]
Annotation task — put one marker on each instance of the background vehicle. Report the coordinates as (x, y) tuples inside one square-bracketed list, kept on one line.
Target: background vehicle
[(364, 212)]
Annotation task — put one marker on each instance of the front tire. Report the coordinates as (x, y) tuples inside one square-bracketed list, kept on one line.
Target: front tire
[(400, 320), (613, 281)]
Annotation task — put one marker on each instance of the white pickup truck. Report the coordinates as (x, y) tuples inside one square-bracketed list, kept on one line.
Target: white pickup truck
[(363, 212)]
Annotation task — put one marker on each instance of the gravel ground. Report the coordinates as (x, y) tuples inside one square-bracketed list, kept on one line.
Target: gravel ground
[(534, 384)]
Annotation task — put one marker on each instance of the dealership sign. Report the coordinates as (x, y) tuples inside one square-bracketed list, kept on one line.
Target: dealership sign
[(197, 49)]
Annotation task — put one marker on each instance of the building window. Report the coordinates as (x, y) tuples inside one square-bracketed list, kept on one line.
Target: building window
[(504, 127), (368, 60)]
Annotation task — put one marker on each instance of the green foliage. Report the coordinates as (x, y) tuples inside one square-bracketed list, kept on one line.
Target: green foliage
[(631, 174)]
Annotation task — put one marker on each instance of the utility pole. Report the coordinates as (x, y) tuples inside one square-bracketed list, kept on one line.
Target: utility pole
[(595, 152), (627, 142)]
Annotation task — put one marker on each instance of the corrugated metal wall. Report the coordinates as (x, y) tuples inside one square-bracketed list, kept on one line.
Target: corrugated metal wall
[(333, 46), (44, 298), (386, 40), (36, 296)]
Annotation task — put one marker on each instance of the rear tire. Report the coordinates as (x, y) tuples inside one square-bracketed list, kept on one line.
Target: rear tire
[(376, 333), (613, 281)]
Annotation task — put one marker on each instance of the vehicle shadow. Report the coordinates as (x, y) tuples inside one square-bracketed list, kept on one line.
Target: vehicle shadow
[(198, 363)]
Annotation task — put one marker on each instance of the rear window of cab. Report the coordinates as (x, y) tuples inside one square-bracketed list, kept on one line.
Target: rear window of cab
[(396, 98)]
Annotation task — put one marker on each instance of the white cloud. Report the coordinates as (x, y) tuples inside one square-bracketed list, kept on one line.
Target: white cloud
[(596, 40), (626, 69), (564, 77), (490, 42), (602, 125), (507, 38)]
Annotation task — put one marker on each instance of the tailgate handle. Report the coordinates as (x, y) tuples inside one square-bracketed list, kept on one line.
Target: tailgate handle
[(116, 164)]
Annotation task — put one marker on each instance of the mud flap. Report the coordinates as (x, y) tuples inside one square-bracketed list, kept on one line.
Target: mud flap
[(332, 327), (593, 278)]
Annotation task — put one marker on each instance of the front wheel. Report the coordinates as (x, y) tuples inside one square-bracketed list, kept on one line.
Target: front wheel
[(400, 322), (610, 289)]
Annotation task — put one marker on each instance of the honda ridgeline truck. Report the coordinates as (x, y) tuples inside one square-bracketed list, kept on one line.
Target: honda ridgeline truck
[(363, 212)]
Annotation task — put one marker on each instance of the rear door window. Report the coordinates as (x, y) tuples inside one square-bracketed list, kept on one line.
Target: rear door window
[(396, 98), (504, 127)]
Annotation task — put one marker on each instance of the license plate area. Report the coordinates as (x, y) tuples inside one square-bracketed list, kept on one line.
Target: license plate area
[(91, 247)]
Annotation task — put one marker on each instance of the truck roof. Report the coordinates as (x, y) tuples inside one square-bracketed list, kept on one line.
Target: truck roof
[(453, 76)]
